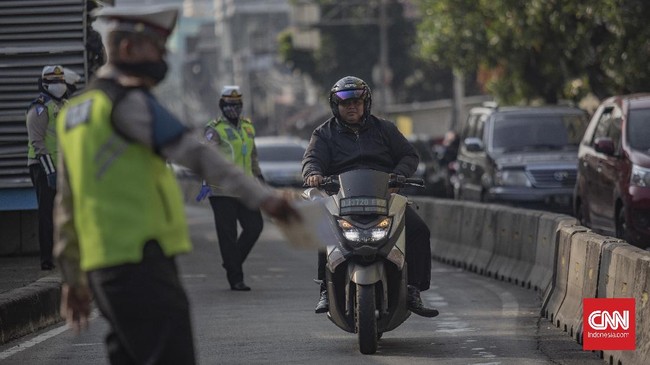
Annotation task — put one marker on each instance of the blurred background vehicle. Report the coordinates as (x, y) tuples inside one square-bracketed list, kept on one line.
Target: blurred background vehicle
[(612, 194), (280, 160), (525, 156), (446, 152), (429, 168)]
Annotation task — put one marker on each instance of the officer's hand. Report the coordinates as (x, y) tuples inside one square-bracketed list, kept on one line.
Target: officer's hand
[(393, 190), (51, 180), (280, 209), (314, 180), (75, 306), (205, 191)]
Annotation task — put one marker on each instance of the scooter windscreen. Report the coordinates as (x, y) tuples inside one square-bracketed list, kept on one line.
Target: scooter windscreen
[(363, 192)]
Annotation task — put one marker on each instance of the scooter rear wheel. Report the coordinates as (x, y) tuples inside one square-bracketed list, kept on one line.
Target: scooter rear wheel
[(366, 319)]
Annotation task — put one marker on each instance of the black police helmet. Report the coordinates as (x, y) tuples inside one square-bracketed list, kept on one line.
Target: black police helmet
[(350, 87)]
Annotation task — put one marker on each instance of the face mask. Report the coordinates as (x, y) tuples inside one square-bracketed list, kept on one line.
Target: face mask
[(56, 90), (154, 70), (232, 111)]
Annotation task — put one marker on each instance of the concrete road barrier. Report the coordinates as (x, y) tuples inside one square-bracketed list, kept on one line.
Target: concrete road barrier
[(625, 273), (516, 231), (582, 280), (558, 290), (525, 231), (445, 225), (547, 232), (478, 233)]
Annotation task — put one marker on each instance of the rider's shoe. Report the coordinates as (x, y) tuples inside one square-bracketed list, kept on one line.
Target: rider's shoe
[(323, 302), (415, 304)]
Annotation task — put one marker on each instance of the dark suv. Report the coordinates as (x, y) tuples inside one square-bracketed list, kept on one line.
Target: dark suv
[(613, 190), (522, 155)]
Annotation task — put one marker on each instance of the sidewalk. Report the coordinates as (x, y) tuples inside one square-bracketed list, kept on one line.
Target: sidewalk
[(29, 296)]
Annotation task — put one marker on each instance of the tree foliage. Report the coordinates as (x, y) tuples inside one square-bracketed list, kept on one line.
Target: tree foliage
[(353, 49), (525, 50)]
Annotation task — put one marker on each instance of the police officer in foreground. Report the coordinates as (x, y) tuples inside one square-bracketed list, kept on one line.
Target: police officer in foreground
[(235, 136), (119, 212), (42, 153)]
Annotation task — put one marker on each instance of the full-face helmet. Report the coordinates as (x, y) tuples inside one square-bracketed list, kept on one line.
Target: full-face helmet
[(350, 87), (230, 102)]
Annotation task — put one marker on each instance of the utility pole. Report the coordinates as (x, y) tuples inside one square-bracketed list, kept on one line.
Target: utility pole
[(384, 78), (459, 92), (339, 15)]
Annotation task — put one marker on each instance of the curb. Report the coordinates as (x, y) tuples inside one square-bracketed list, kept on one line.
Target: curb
[(30, 308)]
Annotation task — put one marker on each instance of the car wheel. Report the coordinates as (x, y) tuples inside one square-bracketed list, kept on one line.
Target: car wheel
[(621, 224)]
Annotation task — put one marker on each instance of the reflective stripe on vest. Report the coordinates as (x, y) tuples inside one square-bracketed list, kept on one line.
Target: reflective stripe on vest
[(123, 193)]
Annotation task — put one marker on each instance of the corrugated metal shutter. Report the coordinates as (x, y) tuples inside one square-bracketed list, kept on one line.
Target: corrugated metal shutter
[(33, 33)]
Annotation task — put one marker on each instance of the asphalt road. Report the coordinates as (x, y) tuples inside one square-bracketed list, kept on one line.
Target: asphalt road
[(482, 321)]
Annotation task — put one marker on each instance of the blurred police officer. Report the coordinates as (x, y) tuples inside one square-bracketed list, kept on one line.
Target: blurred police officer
[(42, 152), (235, 137), (119, 211)]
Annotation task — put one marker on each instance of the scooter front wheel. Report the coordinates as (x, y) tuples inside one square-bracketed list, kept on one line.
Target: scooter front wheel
[(366, 319)]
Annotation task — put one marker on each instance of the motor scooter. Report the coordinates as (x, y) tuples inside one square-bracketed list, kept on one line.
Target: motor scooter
[(366, 270)]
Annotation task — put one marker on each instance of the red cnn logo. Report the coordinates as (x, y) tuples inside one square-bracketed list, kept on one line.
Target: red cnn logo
[(608, 324)]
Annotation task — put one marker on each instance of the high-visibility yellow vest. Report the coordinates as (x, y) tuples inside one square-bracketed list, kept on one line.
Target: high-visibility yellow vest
[(236, 143), (123, 193), (50, 134)]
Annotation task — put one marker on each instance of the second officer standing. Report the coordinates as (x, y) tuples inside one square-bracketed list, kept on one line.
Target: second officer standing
[(235, 137)]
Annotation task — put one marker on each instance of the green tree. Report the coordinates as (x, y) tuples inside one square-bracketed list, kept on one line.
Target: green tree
[(353, 49), (526, 50)]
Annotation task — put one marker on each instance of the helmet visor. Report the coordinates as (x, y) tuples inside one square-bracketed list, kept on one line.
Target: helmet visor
[(350, 94)]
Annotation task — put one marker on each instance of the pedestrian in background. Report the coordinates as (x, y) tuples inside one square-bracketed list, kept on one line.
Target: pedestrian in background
[(42, 153), (120, 218), (235, 137)]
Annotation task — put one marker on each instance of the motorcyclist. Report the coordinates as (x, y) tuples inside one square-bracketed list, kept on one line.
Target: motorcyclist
[(352, 139)]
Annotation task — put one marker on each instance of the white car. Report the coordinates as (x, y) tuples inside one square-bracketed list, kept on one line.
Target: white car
[(280, 160)]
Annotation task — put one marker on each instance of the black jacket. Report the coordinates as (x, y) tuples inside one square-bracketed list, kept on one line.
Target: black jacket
[(378, 145)]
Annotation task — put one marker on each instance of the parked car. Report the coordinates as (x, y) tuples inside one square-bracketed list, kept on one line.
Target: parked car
[(428, 169), (280, 160), (520, 155), (612, 194)]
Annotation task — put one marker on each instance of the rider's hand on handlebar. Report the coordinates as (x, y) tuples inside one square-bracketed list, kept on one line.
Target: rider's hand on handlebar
[(314, 180)]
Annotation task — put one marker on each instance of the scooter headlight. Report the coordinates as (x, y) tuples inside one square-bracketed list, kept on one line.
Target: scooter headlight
[(365, 235)]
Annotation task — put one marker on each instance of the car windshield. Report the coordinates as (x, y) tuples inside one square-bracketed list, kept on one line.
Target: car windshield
[(537, 132), (638, 131), (279, 153)]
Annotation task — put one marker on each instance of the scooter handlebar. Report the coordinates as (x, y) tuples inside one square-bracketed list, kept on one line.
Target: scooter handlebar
[(331, 183)]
